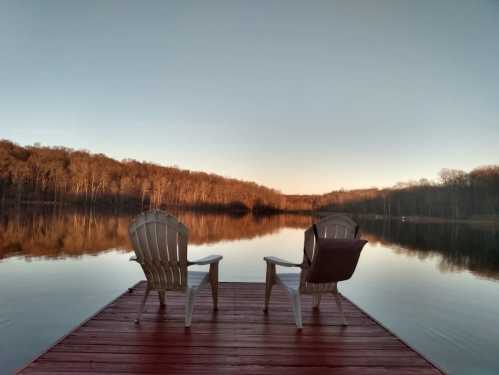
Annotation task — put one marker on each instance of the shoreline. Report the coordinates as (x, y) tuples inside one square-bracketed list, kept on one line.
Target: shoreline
[(477, 219)]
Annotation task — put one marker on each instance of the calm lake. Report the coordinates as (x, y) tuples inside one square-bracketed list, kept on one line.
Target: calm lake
[(436, 285)]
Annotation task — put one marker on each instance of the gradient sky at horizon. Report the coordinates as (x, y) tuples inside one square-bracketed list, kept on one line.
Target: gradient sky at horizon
[(304, 97)]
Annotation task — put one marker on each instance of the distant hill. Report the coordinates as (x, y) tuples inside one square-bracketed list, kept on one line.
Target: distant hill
[(59, 175)]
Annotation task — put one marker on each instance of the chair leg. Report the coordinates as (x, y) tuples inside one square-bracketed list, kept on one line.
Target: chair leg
[(295, 299), (337, 298), (214, 284), (189, 305), (161, 298), (269, 283), (142, 304), (316, 299)]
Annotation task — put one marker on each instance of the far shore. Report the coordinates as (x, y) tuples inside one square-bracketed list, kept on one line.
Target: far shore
[(429, 219), (477, 219)]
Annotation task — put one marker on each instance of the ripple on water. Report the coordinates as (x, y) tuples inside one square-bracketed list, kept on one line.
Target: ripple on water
[(4, 322)]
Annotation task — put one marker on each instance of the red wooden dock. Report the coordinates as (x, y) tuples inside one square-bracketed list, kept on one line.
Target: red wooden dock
[(237, 339)]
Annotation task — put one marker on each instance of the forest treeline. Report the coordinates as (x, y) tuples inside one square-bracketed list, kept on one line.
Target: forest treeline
[(457, 195), (63, 176)]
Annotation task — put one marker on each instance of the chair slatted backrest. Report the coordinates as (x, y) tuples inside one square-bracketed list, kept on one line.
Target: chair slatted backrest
[(333, 226), (337, 226), (160, 244)]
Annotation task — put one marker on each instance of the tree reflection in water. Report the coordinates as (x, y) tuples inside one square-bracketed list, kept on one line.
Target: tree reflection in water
[(58, 233), (462, 246)]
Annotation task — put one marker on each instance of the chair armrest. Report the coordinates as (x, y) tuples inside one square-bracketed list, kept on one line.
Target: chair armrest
[(133, 259), (210, 259), (281, 262)]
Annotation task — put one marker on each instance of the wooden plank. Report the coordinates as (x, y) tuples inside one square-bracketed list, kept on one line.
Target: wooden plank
[(86, 369), (239, 328), (135, 349), (239, 338), (242, 359)]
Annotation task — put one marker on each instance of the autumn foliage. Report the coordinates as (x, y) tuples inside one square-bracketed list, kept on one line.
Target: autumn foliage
[(59, 175)]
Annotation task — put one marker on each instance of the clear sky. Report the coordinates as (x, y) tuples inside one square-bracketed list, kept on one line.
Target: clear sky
[(302, 96)]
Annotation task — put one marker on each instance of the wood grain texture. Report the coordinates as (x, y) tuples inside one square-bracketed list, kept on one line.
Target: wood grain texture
[(239, 338)]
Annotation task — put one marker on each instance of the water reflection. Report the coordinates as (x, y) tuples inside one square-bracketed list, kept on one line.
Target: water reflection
[(447, 316), (59, 233), (461, 246), (62, 233)]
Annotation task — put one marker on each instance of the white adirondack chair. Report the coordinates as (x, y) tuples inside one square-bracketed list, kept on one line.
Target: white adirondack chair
[(160, 244), (334, 226)]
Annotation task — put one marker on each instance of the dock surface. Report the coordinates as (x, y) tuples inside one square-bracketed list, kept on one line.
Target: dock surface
[(237, 339)]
